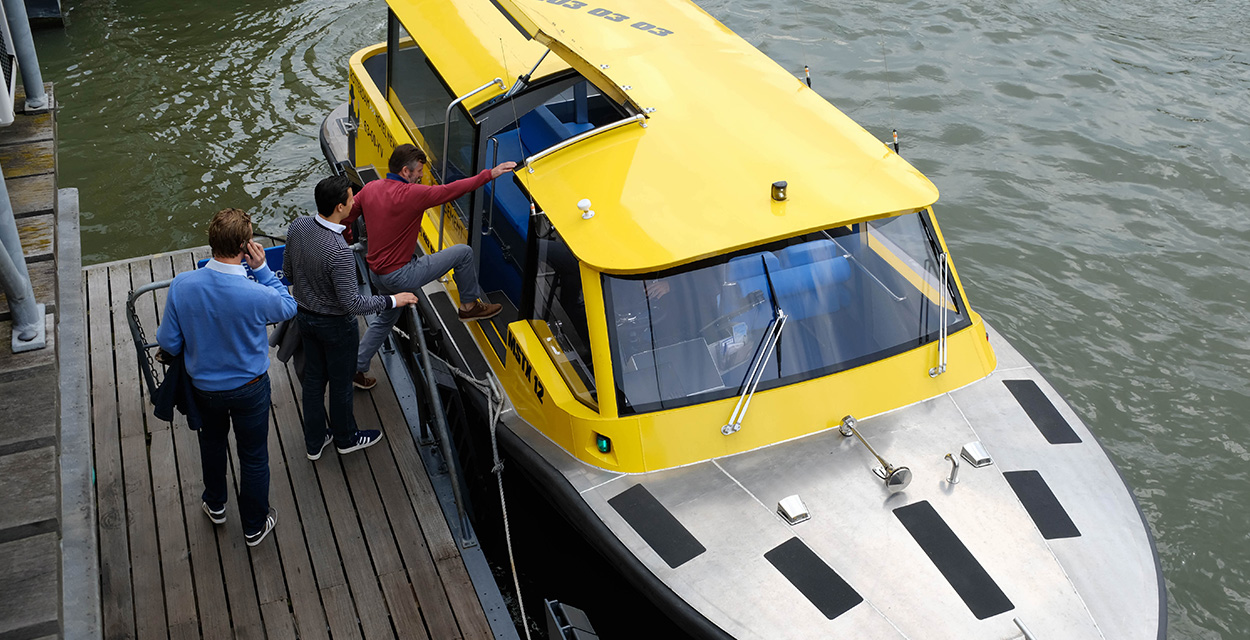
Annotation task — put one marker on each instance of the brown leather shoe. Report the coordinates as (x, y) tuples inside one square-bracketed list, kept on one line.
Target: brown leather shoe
[(362, 381), (480, 311)]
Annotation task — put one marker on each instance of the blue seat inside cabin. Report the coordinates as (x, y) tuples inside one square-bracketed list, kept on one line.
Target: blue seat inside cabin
[(537, 130), (805, 278)]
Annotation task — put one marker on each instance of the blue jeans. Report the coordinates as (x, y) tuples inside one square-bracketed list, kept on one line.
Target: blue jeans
[(419, 271), (329, 358), (247, 407)]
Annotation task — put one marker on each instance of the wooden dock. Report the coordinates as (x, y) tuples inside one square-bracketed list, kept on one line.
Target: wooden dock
[(30, 505), (361, 549)]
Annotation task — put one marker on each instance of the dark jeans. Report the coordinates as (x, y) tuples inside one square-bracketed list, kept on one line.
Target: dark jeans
[(329, 357), (247, 407)]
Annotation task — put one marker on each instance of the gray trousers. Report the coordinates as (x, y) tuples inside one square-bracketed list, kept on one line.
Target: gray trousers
[(419, 271)]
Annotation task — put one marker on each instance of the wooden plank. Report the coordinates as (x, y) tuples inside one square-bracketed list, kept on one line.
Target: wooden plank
[(26, 418), (117, 595), (42, 283), (26, 128), (32, 194), (237, 570), (171, 531), (278, 620), (267, 566), (420, 565), (210, 590), (28, 159), (296, 571), (347, 533), (29, 477), (185, 631), (339, 611), (240, 585), (175, 553), (364, 492), (167, 495), (36, 235), (403, 605), (150, 621), (436, 532), (29, 592)]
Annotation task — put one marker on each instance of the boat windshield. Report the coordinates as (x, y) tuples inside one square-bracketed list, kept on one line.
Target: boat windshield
[(852, 294)]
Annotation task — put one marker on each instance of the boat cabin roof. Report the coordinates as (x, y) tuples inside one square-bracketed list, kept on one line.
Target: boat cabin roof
[(471, 43), (723, 123)]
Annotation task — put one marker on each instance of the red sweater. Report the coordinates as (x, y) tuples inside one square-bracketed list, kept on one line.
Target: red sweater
[(393, 210)]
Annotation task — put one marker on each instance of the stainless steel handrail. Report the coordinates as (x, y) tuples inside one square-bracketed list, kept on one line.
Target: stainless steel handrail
[(442, 176), (639, 119), (490, 205), (943, 277), (755, 373)]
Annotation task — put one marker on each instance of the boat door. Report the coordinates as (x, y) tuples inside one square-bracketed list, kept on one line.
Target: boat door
[(514, 127)]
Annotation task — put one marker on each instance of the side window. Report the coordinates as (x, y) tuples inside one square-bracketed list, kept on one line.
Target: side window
[(419, 98), (560, 313)]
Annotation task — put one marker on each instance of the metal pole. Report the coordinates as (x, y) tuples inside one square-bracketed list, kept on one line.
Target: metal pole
[(28, 327), (444, 435), (27, 61)]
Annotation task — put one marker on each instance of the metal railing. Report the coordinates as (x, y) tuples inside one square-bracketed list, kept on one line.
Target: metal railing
[(143, 348), (638, 119), (442, 176)]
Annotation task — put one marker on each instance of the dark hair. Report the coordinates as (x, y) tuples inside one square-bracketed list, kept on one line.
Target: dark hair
[(405, 155), (227, 232), (330, 193)]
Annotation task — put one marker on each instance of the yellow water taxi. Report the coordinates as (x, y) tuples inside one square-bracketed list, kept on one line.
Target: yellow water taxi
[(736, 352)]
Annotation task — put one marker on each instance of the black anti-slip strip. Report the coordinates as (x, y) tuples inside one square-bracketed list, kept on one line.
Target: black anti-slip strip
[(1049, 516), (500, 323), (39, 630), (674, 544), (957, 564), (28, 530), (1042, 412), (813, 578)]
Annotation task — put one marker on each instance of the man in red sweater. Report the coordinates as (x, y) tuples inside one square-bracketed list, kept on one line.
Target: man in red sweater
[(393, 209)]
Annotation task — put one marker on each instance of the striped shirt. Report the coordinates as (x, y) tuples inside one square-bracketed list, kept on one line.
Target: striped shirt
[(322, 271)]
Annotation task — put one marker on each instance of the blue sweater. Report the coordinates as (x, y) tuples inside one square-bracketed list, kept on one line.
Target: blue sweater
[(218, 315)]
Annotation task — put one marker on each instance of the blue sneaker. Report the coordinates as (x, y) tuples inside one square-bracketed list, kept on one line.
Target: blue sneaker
[(218, 516), (271, 521), (364, 438), (317, 454)]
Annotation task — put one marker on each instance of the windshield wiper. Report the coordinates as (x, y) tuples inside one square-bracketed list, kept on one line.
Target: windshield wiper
[(756, 372)]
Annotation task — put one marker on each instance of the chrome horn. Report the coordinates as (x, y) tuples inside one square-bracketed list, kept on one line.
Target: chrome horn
[(896, 478)]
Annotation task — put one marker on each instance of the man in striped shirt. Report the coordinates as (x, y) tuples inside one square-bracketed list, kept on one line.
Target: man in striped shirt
[(323, 277)]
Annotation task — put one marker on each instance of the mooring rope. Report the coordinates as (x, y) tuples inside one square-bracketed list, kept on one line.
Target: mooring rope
[(495, 398)]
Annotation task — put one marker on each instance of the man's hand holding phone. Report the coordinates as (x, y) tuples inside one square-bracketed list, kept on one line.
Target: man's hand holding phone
[(254, 254)]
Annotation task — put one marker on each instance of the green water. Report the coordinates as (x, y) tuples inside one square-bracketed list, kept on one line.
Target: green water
[(1092, 158)]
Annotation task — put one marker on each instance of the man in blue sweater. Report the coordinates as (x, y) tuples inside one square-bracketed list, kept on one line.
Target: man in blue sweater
[(216, 317)]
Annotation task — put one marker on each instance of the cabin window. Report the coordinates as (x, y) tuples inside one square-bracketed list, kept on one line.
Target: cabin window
[(419, 99), (559, 317), (852, 294)]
